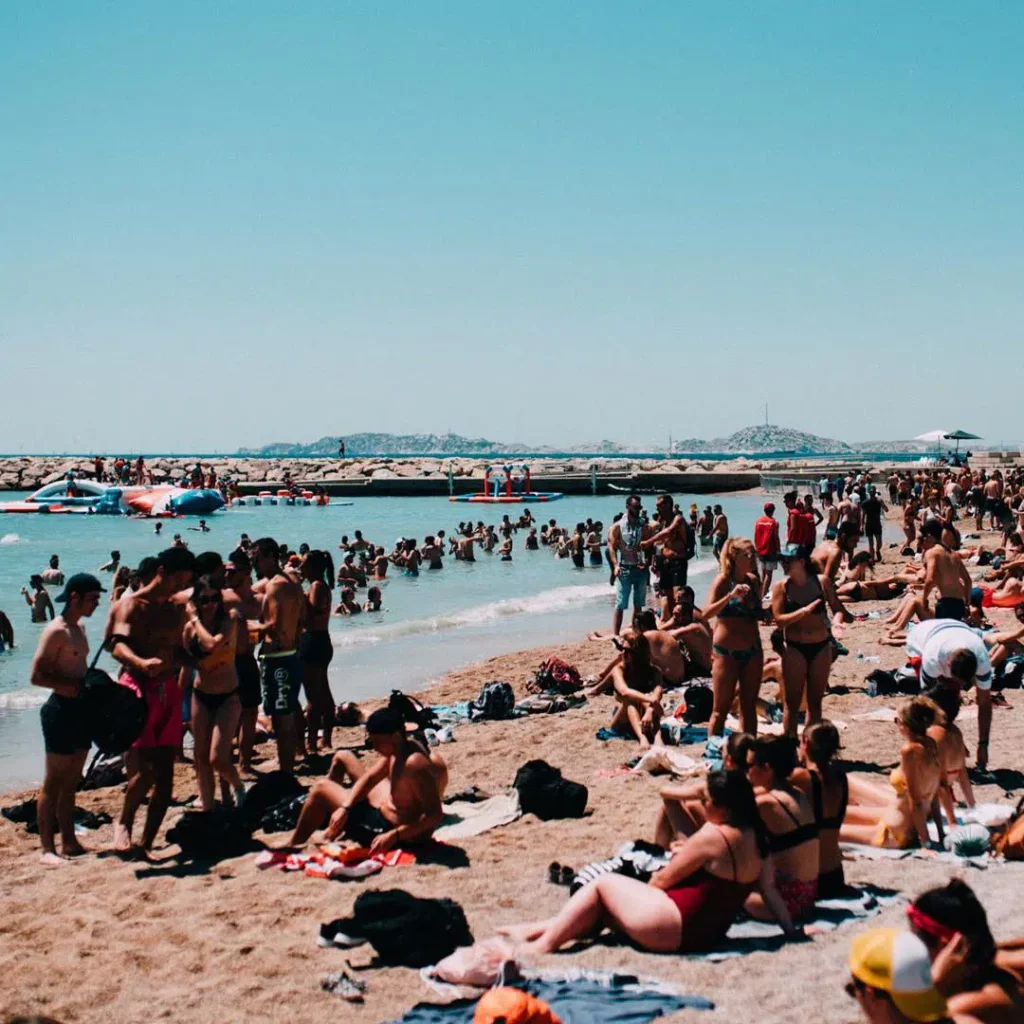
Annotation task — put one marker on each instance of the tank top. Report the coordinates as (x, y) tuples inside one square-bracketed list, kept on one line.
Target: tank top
[(629, 549)]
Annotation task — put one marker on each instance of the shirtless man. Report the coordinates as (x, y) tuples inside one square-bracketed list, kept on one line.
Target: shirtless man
[(829, 554), (720, 532), (431, 553), (379, 564), (53, 574), (278, 629), (464, 550), (146, 638), (944, 572), (238, 577), (396, 802), (993, 492), (673, 536), (60, 665), (39, 600), (115, 561)]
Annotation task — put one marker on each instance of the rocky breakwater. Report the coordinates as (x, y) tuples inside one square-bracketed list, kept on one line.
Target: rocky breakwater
[(27, 473)]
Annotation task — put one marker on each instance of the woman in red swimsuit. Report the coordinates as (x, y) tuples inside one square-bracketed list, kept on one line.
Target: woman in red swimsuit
[(689, 905)]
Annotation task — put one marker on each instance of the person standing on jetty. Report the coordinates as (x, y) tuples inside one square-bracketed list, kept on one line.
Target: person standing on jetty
[(279, 628), (625, 553), (60, 665), (146, 638)]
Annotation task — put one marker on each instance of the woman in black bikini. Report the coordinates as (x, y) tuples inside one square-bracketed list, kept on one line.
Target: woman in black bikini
[(211, 638), (800, 604), (828, 789), (735, 603), (316, 650)]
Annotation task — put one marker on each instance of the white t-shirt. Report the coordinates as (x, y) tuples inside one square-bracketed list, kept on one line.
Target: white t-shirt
[(937, 640)]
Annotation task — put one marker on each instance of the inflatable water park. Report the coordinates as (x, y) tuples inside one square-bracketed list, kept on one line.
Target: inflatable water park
[(87, 497), (508, 491), (286, 497)]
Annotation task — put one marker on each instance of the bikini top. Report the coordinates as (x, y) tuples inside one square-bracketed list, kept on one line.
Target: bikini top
[(795, 836), (737, 609), (792, 606), (817, 793)]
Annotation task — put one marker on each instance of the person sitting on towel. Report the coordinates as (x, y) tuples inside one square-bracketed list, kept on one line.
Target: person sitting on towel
[(394, 803)]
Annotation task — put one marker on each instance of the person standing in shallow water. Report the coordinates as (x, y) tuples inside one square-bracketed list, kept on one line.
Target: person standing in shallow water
[(60, 665)]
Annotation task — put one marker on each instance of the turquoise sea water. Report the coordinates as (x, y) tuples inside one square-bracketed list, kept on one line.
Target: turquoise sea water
[(461, 614)]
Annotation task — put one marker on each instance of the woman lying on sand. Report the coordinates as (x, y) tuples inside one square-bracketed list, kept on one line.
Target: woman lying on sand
[(690, 904), (894, 816), (856, 586), (976, 976)]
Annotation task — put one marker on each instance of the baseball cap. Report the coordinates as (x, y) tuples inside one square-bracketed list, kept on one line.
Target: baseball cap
[(769, 506), (896, 962), (80, 583)]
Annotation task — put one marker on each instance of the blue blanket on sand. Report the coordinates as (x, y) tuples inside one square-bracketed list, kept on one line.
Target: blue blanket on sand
[(578, 997), (751, 936)]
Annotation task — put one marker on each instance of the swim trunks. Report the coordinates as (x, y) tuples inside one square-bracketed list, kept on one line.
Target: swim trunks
[(951, 608), (162, 695), (831, 532), (365, 823), (630, 582), (672, 572), (248, 672), (65, 728), (719, 543), (280, 680), (315, 648)]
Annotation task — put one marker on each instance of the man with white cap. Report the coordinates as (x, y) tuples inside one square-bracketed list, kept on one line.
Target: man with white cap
[(891, 979), (60, 665)]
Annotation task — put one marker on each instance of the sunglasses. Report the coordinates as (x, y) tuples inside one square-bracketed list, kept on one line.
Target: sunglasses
[(854, 987)]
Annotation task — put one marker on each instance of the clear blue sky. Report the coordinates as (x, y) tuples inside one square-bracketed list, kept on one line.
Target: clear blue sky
[(233, 223)]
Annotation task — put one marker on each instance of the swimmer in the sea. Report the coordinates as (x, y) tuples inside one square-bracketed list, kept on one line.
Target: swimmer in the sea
[(348, 604)]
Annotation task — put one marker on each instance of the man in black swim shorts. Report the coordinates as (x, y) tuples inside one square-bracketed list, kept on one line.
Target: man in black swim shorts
[(60, 665)]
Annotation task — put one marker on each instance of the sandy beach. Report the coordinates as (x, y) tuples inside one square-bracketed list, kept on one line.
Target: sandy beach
[(102, 939)]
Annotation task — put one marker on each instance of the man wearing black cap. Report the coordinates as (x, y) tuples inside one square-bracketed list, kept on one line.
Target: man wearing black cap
[(60, 665)]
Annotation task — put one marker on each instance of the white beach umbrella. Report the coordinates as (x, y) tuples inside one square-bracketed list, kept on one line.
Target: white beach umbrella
[(932, 435)]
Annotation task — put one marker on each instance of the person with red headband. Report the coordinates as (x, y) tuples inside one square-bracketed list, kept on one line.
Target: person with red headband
[(976, 976)]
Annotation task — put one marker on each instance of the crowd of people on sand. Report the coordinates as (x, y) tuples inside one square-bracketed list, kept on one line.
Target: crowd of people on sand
[(212, 649)]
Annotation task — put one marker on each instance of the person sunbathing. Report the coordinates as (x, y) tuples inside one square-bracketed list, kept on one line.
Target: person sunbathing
[(682, 809), (1009, 644), (791, 831), (395, 802), (894, 816), (974, 974), (638, 691), (687, 906), (856, 586), (828, 789)]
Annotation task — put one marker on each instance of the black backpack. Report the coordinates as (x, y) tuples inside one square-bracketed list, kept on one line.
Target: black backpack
[(269, 792), (212, 835), (115, 714), (412, 711), (405, 930), (543, 791), (699, 702), (495, 702)]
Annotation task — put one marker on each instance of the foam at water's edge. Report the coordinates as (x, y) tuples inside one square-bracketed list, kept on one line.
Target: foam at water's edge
[(10, 538), (546, 601), (20, 700)]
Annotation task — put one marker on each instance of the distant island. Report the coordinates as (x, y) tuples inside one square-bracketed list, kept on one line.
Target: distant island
[(755, 440)]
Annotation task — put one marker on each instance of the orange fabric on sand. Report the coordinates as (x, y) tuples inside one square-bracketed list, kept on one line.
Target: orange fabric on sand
[(512, 1006)]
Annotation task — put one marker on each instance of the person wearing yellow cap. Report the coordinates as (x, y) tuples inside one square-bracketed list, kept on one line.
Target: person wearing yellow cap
[(891, 978)]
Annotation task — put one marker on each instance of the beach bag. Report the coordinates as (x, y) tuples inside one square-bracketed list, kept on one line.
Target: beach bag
[(115, 714), (543, 792), (405, 930), (1009, 675), (556, 675), (103, 772), (1011, 843), (495, 702), (881, 684), (481, 965), (270, 792), (412, 711), (700, 702), (211, 835)]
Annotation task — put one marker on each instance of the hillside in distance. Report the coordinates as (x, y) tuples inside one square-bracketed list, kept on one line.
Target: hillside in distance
[(765, 438), (411, 444)]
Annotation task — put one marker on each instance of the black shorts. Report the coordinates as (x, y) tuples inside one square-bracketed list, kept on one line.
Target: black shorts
[(315, 648), (65, 727), (365, 823), (248, 673), (873, 529), (672, 573), (994, 506), (280, 681), (951, 608)]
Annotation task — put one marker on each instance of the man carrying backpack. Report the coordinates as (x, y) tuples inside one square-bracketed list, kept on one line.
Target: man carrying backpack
[(60, 665)]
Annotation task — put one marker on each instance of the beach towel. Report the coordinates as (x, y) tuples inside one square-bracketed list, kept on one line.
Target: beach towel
[(613, 734), (666, 761), (548, 704), (857, 851), (751, 936), (464, 819), (578, 997)]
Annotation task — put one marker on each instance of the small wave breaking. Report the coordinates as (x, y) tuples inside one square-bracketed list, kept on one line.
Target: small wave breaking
[(10, 538), (22, 700)]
